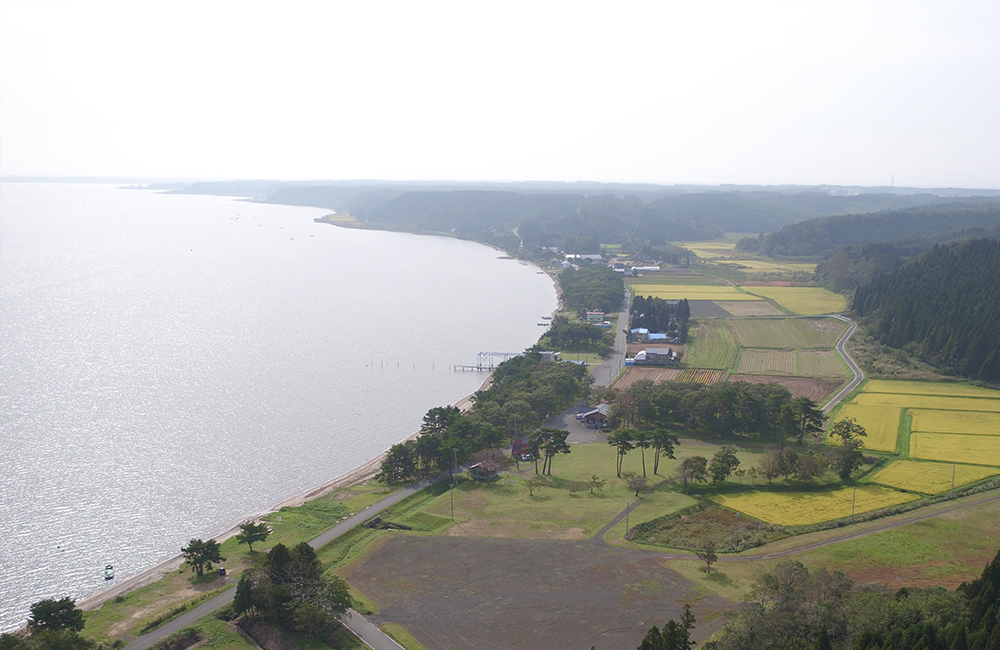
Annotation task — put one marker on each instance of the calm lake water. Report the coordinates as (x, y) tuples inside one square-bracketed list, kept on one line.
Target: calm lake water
[(171, 365)]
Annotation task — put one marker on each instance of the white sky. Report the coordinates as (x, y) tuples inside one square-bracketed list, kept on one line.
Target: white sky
[(666, 92)]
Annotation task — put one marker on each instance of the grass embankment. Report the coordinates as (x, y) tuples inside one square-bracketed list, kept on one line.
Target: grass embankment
[(179, 591)]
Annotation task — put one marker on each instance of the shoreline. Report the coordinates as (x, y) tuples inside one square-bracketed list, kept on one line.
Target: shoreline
[(355, 476)]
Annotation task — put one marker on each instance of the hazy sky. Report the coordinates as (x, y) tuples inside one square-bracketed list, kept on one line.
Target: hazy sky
[(666, 92)]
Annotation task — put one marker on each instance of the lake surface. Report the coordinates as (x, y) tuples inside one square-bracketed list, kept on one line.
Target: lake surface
[(171, 365)]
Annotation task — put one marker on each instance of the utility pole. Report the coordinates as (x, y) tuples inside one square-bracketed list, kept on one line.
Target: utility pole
[(454, 481)]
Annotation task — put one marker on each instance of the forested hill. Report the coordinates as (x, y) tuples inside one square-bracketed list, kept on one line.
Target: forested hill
[(945, 304), (828, 235), (577, 215)]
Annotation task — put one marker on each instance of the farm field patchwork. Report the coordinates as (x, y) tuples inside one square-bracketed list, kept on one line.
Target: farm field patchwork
[(819, 363), (968, 422), (940, 402), (710, 345), (881, 423), (789, 332), (803, 300), (767, 362), (804, 508), (929, 388), (929, 477), (956, 447), (691, 292)]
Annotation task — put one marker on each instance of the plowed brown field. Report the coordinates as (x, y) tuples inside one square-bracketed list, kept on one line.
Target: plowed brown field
[(815, 389), (635, 373)]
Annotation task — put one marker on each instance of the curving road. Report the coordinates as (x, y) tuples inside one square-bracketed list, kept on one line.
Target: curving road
[(858, 375)]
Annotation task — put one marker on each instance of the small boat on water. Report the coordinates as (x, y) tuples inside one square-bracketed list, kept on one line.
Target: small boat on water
[(109, 572)]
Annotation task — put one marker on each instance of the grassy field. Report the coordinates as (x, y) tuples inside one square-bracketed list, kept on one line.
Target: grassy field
[(819, 363), (912, 555), (504, 508), (881, 423), (968, 422), (937, 402), (803, 300), (710, 345), (767, 362), (789, 333), (956, 448), (691, 292), (930, 477), (802, 508)]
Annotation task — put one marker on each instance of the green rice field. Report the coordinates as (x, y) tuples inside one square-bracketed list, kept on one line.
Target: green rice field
[(711, 345), (789, 333)]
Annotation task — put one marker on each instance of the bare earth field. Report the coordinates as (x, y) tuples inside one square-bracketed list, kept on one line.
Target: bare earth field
[(456, 593), (710, 309), (634, 374), (748, 308), (815, 389)]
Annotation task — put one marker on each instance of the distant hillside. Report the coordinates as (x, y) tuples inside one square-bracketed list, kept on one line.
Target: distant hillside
[(571, 219), (944, 305), (826, 236)]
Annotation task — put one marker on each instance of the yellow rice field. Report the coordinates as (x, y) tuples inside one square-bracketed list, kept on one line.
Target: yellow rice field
[(930, 478), (691, 292), (711, 249), (803, 300), (929, 388), (767, 266), (803, 508), (968, 422), (881, 423), (928, 402), (956, 448)]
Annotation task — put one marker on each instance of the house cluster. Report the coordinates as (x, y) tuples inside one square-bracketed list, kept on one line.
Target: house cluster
[(643, 335), (654, 357)]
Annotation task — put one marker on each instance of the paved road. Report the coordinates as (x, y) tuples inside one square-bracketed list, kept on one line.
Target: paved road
[(858, 375), (355, 622), (610, 368)]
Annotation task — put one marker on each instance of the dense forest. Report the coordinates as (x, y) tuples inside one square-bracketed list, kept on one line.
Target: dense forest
[(658, 315), (591, 287), (978, 217), (791, 607), (944, 306)]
